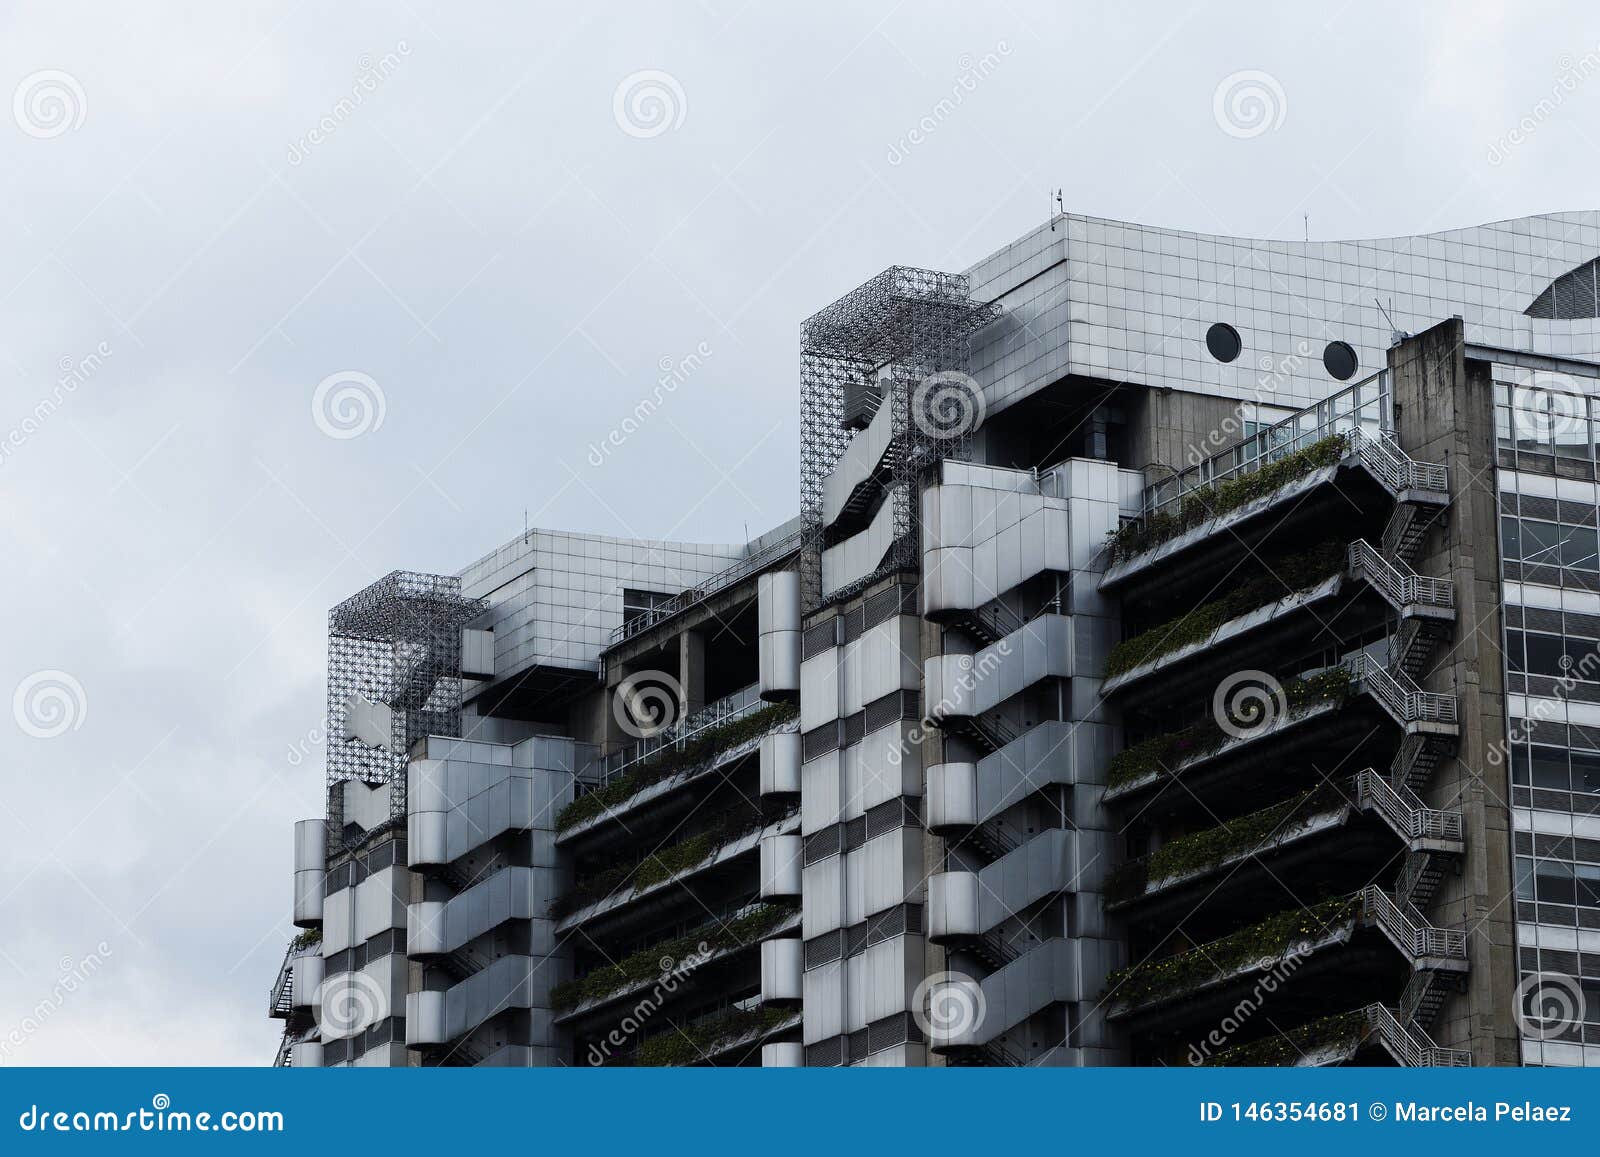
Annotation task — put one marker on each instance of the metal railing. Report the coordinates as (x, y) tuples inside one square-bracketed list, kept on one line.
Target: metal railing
[(1398, 583), (1392, 466), (728, 709), (1410, 930), (1403, 1042), (743, 569), (1404, 811), (1399, 695)]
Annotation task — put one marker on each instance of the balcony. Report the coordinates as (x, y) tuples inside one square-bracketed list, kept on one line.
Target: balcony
[(1048, 973), (1339, 1039), (966, 905), (1307, 476), (298, 988), (721, 1037), (697, 752), (969, 685), (964, 795)]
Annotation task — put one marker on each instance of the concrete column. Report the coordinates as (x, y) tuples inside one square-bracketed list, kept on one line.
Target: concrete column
[(692, 670)]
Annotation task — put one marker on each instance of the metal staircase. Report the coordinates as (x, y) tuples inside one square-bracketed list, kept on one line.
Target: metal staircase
[(1426, 606), (1438, 956), (1410, 1046)]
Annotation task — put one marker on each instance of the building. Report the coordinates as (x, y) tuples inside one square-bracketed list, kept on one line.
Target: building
[(1188, 651)]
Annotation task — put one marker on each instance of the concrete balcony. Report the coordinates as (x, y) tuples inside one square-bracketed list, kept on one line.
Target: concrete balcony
[(782, 857), (778, 634), (967, 685), (463, 794), (310, 874), (967, 1013), (297, 993), (436, 927), (780, 763), (862, 470), (782, 970), (861, 555), (968, 904), (963, 795)]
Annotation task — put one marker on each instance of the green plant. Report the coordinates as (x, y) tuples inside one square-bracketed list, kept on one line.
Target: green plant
[(689, 1043), (662, 864), (306, 939), (1256, 945), (646, 963), (1280, 577), (1164, 753), (704, 747), (1199, 505), (1287, 1048)]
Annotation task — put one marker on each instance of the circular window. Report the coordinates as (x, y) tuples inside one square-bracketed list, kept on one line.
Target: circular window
[(1340, 360), (1223, 342)]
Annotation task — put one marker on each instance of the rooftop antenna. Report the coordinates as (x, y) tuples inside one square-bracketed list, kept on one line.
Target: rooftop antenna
[(524, 526), (1396, 334), (1056, 207), (1308, 226)]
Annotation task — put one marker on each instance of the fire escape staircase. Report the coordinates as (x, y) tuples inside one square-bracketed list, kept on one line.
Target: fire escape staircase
[(1438, 956), (1426, 606)]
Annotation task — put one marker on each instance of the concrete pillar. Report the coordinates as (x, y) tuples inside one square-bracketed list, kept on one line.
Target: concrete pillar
[(692, 670)]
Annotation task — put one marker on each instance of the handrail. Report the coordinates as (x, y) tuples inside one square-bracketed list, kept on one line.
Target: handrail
[(1410, 930), (281, 999), (1404, 811), (730, 708), (1397, 582), (1381, 454), (1404, 1044), (720, 581), (1407, 702)]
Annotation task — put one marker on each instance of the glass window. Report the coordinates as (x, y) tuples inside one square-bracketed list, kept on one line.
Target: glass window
[(1519, 765), (1545, 654), (1524, 877), (1550, 768), (1588, 885), (1541, 542), (1586, 771), (1583, 659), (1514, 660), (1554, 883), (1511, 532), (1578, 547)]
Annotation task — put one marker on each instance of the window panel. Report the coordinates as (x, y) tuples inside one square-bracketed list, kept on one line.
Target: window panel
[(1550, 768)]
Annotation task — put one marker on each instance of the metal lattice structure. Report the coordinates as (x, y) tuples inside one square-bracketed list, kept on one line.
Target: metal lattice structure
[(898, 329), (396, 643)]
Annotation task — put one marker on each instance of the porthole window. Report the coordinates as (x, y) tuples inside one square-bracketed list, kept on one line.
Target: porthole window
[(1340, 360), (1223, 342)]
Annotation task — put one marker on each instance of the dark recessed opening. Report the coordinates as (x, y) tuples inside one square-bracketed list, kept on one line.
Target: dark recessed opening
[(1223, 342), (1340, 360)]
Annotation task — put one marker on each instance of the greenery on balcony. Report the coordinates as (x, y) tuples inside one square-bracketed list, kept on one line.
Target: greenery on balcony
[(306, 939), (646, 963), (663, 863), (1287, 1048), (1258, 945), (691, 1042), (1199, 505), (1280, 577), (1206, 849), (704, 747), (1159, 754)]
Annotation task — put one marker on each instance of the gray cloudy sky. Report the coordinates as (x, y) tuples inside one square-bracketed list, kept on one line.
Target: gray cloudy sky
[(208, 209)]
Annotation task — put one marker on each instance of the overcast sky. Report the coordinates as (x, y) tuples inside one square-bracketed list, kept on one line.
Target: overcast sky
[(490, 232)]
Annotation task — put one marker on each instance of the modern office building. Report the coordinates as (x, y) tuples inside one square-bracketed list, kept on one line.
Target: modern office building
[(1187, 652)]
